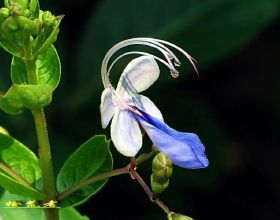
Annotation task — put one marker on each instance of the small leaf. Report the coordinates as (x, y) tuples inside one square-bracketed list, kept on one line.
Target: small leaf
[(7, 46), (22, 161), (34, 96), (34, 8), (29, 214), (92, 158), (11, 102), (48, 69), (47, 38)]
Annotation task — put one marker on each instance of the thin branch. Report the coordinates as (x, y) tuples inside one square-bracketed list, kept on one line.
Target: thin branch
[(154, 198), (91, 180), (13, 174)]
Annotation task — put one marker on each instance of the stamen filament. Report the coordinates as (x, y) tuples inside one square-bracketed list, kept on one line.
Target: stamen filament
[(151, 42)]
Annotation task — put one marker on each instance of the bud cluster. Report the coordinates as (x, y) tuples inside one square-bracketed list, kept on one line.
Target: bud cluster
[(25, 30), (161, 173), (176, 216)]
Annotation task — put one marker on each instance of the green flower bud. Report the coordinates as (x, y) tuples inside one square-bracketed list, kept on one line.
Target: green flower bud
[(4, 13), (3, 131), (22, 4), (27, 25), (175, 216), (48, 19), (162, 167), (10, 25), (158, 187), (26, 13)]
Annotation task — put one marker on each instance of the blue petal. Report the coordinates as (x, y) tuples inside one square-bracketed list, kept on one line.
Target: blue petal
[(184, 149)]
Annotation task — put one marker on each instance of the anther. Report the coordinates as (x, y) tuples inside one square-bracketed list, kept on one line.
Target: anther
[(174, 73)]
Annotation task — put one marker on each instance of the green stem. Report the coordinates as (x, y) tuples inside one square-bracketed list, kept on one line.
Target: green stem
[(31, 71), (44, 154), (13, 174), (44, 146), (91, 180), (45, 162)]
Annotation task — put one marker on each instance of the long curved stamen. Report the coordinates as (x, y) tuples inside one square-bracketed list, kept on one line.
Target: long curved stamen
[(151, 42), (136, 52)]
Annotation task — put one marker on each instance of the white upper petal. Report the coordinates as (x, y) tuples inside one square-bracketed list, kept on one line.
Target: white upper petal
[(107, 108), (138, 75), (145, 104), (126, 134)]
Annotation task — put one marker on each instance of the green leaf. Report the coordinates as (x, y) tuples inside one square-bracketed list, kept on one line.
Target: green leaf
[(48, 69), (90, 159), (71, 214), (23, 162), (34, 96), (7, 46), (48, 37), (20, 213), (18, 188), (11, 102), (33, 214), (34, 8), (20, 97), (209, 30)]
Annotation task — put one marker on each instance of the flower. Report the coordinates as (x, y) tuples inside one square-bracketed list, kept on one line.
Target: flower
[(127, 108)]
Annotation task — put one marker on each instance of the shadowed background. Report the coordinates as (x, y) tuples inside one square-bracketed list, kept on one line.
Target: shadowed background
[(233, 106)]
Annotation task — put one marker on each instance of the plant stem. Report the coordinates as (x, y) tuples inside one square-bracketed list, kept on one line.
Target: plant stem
[(44, 154), (150, 194), (44, 146), (13, 174), (91, 180), (45, 162), (31, 71)]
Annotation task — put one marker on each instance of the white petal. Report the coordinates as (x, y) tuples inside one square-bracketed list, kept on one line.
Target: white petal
[(145, 104), (107, 108), (138, 75), (126, 134)]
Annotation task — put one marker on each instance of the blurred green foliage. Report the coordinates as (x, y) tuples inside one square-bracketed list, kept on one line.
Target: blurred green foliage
[(211, 30)]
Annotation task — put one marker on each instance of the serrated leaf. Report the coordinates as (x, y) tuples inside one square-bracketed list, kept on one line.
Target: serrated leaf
[(33, 214), (48, 69), (22, 161), (92, 158)]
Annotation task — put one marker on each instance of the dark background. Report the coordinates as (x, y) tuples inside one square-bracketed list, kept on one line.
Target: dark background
[(233, 106)]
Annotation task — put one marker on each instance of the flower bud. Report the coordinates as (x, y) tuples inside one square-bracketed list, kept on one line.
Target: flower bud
[(27, 25), (158, 187), (10, 25), (48, 19), (4, 13), (162, 167), (26, 13), (175, 216), (22, 4)]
